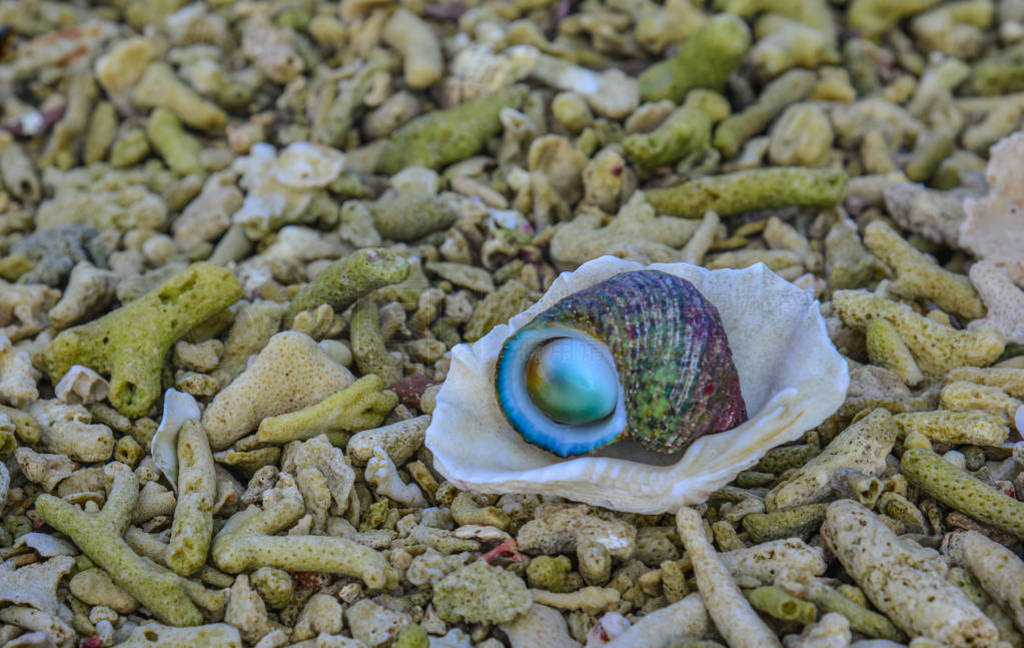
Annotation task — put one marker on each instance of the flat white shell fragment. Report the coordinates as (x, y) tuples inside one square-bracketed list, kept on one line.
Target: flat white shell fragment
[(791, 377), (178, 408)]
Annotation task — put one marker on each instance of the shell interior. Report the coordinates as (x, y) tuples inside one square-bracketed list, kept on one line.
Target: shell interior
[(563, 439)]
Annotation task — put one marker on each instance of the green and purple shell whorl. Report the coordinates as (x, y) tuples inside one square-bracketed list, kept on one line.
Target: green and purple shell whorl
[(641, 354)]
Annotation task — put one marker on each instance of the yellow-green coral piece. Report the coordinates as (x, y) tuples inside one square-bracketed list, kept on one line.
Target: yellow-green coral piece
[(361, 406), (887, 349), (131, 343), (686, 131), (799, 521), (368, 346), (959, 489), (964, 395), (802, 137), (875, 16), (937, 348), (815, 13), (480, 592), (463, 129), (409, 217), (179, 149), (193, 514), (1009, 379), (789, 88), (784, 43), (705, 60), (920, 277), (970, 427), (549, 573), (829, 599), (99, 536), (779, 604), (745, 191), (349, 278)]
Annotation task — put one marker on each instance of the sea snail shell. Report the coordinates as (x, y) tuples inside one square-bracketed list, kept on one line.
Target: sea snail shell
[(641, 354)]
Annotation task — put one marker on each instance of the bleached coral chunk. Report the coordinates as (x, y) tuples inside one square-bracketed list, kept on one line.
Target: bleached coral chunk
[(22, 309), (35, 584), (17, 376), (279, 187), (382, 473), (1004, 301), (994, 227), (82, 385)]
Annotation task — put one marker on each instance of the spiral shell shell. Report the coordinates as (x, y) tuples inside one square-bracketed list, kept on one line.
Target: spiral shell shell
[(673, 367)]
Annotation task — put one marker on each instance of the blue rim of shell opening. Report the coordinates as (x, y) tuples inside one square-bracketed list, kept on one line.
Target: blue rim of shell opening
[(564, 440)]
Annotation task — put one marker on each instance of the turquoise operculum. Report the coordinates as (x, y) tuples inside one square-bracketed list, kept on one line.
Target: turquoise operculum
[(571, 383), (560, 389)]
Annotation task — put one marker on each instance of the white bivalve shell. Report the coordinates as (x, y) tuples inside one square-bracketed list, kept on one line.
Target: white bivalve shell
[(791, 378)]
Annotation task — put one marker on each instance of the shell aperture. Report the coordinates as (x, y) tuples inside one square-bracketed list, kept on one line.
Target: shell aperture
[(673, 371)]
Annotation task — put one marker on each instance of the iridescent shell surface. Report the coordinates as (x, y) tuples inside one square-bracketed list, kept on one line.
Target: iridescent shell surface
[(791, 378), (665, 345)]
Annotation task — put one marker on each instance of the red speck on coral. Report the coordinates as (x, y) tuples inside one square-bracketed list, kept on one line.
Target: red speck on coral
[(308, 580), (506, 552), (91, 642)]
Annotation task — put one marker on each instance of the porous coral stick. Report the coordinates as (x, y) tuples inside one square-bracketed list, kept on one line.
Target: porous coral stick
[(705, 60), (904, 581), (349, 278), (745, 191), (919, 276), (935, 347), (197, 488), (99, 536), (966, 493), (246, 541), (733, 616), (789, 88), (130, 343), (463, 130), (862, 446), (999, 570)]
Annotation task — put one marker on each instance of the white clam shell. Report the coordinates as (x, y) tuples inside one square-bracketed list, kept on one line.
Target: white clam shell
[(791, 377)]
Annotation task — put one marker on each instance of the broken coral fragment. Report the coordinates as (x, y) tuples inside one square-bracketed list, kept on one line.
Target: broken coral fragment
[(904, 580), (246, 541), (291, 372), (744, 191), (480, 592), (130, 343), (936, 348), (993, 229), (348, 279), (18, 378), (98, 535)]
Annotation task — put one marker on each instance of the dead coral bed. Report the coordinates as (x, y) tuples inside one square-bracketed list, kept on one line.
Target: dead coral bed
[(240, 239)]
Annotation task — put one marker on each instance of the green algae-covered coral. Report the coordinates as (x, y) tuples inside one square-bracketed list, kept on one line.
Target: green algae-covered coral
[(349, 278), (705, 60), (441, 137), (744, 191), (130, 343)]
